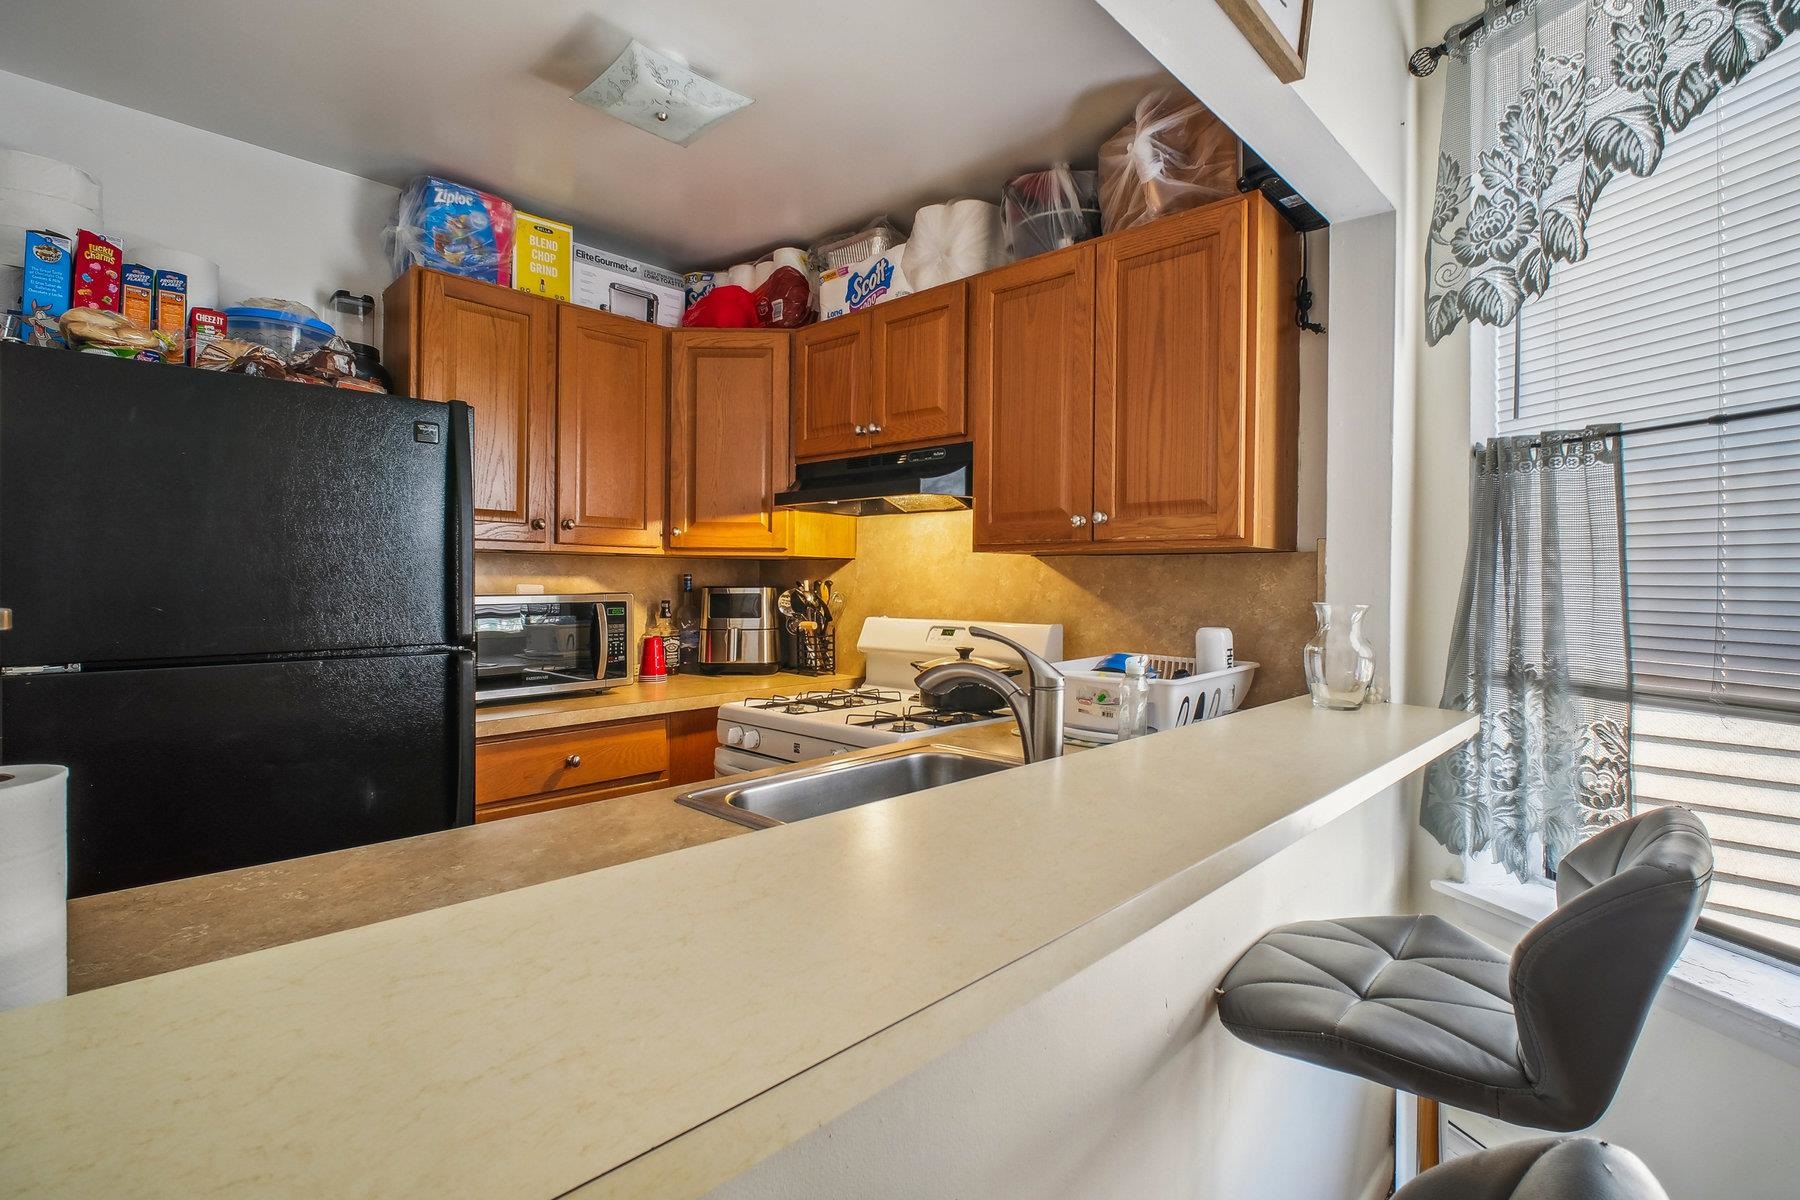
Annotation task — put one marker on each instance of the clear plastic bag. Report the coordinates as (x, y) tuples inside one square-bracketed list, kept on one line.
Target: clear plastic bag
[(449, 227), (1172, 155), (854, 246), (1047, 210)]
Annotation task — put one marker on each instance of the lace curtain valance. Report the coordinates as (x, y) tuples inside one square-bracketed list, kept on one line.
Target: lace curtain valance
[(1548, 102)]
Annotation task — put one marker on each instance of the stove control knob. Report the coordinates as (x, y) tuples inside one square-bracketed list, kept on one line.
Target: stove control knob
[(734, 736), (752, 739)]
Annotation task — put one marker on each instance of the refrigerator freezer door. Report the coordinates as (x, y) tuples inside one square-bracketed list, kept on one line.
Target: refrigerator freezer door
[(184, 770), (149, 513)]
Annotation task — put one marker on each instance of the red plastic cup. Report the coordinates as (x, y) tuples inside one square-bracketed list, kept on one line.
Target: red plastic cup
[(653, 667)]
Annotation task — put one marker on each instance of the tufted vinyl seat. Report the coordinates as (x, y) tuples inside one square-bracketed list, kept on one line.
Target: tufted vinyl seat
[(1543, 1169), (1540, 1038)]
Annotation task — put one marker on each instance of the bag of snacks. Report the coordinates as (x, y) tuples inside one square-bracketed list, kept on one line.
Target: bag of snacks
[(1172, 155)]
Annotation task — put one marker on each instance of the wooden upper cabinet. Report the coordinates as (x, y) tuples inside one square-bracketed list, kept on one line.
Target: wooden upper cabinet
[(1031, 400), (831, 388), (495, 350), (918, 353), (728, 439), (611, 430), (1194, 410)]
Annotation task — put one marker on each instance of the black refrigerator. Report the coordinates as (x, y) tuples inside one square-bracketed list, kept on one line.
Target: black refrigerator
[(238, 610)]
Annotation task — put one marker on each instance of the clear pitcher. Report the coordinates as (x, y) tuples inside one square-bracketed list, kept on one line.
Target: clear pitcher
[(1340, 664)]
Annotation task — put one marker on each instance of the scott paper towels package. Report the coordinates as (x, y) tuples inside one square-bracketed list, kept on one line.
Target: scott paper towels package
[(953, 241), (844, 290)]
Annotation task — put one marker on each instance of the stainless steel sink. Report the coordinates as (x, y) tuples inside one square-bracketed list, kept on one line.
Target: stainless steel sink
[(829, 787)]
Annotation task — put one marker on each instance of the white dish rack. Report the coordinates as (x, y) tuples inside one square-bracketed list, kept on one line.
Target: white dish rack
[(1173, 701)]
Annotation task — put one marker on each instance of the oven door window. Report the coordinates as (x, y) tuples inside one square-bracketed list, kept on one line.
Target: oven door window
[(531, 644)]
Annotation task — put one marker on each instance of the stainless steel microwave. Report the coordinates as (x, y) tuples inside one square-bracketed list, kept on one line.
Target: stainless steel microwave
[(533, 646)]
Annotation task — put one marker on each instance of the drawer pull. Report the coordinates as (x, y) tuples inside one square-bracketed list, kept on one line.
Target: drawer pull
[(574, 760)]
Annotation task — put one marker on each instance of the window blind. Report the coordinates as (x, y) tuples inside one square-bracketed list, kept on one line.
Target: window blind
[(1689, 306)]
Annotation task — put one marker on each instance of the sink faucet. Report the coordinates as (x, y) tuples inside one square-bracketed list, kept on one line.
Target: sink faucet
[(1038, 709)]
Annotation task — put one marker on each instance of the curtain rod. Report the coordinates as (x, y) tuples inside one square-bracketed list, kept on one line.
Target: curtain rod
[(1424, 60), (1724, 418)]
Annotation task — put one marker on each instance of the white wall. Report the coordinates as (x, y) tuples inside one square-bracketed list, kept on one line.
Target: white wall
[(277, 226), (1121, 1083)]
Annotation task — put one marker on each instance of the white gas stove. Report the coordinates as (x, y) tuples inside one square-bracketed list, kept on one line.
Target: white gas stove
[(769, 731)]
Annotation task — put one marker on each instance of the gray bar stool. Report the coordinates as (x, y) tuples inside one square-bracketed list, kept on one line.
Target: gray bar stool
[(1544, 1169), (1419, 1005)]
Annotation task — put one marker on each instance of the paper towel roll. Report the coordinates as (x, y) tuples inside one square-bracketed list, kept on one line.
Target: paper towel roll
[(48, 177), (759, 274), (952, 241), (12, 245), (790, 256), (742, 275), (202, 273), (34, 885), (12, 282), (35, 211)]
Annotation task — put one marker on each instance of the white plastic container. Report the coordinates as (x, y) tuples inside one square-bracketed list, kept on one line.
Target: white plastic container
[(1173, 701)]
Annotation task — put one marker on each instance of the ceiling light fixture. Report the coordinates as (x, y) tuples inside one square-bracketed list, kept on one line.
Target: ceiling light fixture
[(660, 95)]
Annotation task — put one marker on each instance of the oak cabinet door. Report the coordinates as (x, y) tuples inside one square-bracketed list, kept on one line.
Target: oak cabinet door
[(831, 388), (1171, 394), (495, 350), (611, 429), (919, 353), (728, 439), (1031, 400)]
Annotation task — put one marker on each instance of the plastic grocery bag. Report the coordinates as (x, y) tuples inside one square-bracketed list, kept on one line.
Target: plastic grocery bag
[(1172, 155), (1047, 210)]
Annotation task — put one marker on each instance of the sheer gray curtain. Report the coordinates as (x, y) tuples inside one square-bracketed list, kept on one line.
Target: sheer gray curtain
[(1547, 103), (1541, 652)]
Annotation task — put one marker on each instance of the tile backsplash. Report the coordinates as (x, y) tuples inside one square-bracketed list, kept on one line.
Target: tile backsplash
[(920, 565)]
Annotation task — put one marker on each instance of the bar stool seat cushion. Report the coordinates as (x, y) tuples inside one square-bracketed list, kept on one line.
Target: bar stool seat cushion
[(1541, 1169), (1409, 1001)]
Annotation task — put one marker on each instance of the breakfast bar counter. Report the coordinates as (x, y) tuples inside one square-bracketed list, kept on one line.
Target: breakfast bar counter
[(656, 1027)]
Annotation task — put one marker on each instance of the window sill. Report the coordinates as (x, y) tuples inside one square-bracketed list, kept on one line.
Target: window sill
[(1741, 996)]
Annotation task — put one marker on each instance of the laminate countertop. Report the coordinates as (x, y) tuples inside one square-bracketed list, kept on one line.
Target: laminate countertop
[(681, 693), (656, 1027)]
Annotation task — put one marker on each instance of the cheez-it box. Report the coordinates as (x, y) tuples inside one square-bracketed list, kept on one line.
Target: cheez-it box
[(99, 272)]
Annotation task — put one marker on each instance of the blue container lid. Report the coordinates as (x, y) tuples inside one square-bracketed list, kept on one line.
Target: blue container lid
[(312, 325)]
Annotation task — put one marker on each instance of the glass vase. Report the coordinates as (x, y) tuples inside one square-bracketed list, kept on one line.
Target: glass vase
[(1339, 661)]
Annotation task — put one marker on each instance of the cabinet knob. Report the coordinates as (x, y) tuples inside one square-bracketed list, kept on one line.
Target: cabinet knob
[(676, 532), (1101, 518), (574, 760), (537, 522), (568, 522), (860, 429), (874, 429), (1078, 520)]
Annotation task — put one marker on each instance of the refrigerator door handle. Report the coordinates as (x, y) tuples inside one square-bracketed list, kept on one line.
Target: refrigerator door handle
[(462, 523), (463, 743)]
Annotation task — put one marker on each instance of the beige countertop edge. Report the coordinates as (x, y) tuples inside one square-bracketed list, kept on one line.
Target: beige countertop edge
[(736, 1140), (682, 693), (650, 1016)]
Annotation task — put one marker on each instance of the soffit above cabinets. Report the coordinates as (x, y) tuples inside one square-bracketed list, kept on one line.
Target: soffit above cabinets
[(860, 108)]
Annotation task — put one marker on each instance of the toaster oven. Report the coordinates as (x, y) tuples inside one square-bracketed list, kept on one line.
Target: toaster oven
[(528, 647)]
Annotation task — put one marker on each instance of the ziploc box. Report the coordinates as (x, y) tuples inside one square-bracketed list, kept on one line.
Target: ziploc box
[(844, 290), (49, 271), (616, 284), (543, 257), (448, 227)]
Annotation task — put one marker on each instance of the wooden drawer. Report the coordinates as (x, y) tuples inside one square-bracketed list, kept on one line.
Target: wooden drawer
[(588, 758)]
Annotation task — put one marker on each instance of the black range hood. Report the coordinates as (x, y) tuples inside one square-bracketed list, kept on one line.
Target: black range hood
[(934, 479)]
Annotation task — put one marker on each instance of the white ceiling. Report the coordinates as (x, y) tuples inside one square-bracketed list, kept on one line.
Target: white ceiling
[(860, 107)]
